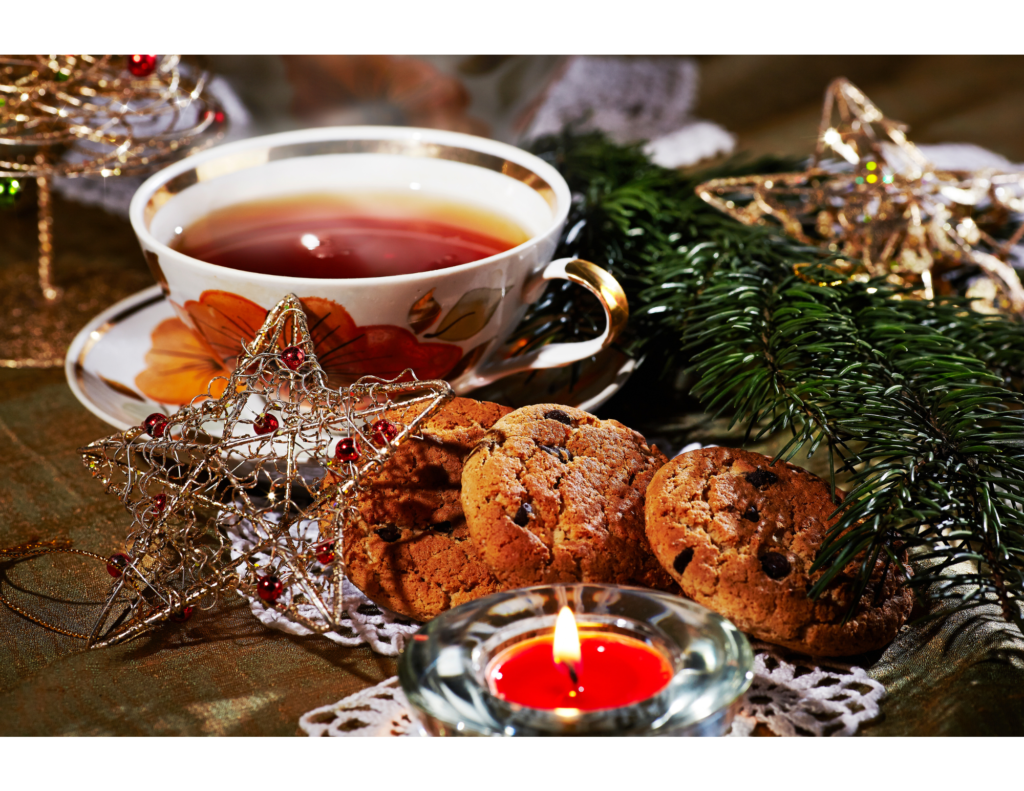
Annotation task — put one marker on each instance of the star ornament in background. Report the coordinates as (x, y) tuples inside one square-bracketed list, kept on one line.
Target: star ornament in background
[(871, 195), (257, 454)]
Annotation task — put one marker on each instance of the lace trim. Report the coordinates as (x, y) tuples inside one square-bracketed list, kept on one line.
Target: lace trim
[(381, 710), (798, 698)]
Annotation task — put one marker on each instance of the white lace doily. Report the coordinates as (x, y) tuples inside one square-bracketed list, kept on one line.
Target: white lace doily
[(790, 698), (378, 711), (365, 623), (794, 698)]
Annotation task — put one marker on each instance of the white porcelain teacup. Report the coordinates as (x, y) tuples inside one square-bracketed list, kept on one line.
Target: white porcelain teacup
[(447, 323)]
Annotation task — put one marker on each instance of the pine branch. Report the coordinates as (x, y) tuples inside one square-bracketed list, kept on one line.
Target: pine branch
[(917, 403), (938, 442), (993, 339)]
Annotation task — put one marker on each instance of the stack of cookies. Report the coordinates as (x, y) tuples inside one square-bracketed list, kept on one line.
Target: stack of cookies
[(489, 499)]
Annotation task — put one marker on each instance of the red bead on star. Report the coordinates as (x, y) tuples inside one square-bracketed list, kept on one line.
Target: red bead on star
[(384, 431), (265, 424), (325, 552), (183, 614), (347, 449), (293, 357), (159, 502), (269, 588), (142, 65), (117, 563), (155, 425)]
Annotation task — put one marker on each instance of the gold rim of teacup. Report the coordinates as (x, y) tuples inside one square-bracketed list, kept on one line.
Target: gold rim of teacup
[(243, 160)]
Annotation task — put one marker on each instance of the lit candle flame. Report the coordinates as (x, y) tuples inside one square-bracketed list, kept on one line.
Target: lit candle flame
[(567, 643)]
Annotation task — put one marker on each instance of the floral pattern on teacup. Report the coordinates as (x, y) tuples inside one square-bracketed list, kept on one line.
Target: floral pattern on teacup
[(180, 365), (191, 351), (470, 314)]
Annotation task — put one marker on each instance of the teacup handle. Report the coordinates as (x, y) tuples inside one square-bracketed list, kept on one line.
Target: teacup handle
[(599, 283)]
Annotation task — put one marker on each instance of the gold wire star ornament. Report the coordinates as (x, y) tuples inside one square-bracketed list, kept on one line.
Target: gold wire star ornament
[(872, 196), (259, 453), (79, 116)]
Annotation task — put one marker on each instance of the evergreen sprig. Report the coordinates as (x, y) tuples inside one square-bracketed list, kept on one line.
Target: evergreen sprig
[(917, 404)]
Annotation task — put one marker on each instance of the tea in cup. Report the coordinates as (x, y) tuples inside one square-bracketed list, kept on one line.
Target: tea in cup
[(409, 248)]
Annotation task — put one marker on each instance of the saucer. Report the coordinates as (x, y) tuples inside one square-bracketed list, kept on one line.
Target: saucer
[(109, 353)]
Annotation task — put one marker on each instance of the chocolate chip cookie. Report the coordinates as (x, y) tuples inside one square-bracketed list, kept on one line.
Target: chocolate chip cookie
[(739, 535), (409, 548), (553, 494)]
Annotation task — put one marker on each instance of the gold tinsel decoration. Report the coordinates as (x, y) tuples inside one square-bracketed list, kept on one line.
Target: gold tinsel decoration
[(872, 196), (84, 115), (260, 453)]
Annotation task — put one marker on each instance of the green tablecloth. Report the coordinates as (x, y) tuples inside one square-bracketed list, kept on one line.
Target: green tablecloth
[(225, 673)]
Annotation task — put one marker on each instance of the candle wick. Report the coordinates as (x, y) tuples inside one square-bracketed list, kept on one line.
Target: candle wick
[(572, 673)]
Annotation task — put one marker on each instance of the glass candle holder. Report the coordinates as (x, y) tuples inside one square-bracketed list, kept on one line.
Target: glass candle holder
[(445, 667)]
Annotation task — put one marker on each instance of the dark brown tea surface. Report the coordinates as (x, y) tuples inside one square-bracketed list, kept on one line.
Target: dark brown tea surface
[(348, 236)]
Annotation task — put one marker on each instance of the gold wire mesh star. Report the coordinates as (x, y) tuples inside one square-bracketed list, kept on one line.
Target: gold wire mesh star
[(116, 122), (76, 116), (872, 196), (260, 454)]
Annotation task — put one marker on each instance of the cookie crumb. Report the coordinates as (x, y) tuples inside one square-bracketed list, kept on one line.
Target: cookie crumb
[(486, 444)]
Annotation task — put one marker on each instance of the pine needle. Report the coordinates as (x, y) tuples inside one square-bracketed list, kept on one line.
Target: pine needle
[(917, 403)]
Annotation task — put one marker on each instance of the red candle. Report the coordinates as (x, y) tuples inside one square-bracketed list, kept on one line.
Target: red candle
[(607, 671)]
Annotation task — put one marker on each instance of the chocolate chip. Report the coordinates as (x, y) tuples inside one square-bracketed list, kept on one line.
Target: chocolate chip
[(564, 455), (523, 515), (683, 560), (388, 533), (560, 416), (443, 527), (775, 565), (761, 477), (751, 514)]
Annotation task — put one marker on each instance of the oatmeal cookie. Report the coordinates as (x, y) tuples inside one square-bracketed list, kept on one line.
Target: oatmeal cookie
[(409, 549), (553, 494), (739, 535)]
